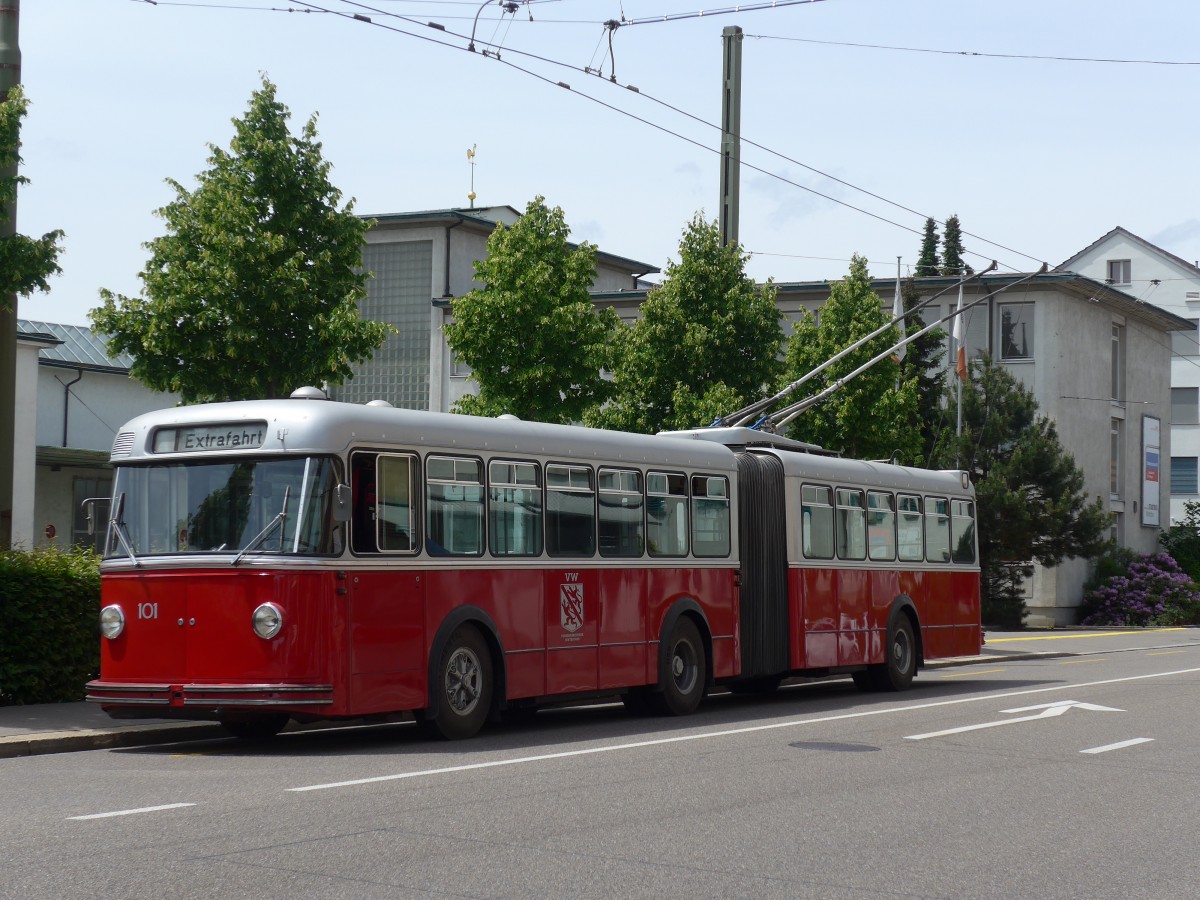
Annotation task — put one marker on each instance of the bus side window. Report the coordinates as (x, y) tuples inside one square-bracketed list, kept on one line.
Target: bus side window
[(710, 516), (937, 529), (514, 509), (816, 521), (881, 525), (666, 513), (962, 531), (362, 522), (397, 489), (851, 525), (570, 511), (909, 529), (454, 506), (620, 520)]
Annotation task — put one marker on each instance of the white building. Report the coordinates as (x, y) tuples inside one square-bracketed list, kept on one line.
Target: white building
[(1135, 266), (71, 400)]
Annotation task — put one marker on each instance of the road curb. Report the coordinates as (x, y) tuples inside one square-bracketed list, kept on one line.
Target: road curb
[(75, 741)]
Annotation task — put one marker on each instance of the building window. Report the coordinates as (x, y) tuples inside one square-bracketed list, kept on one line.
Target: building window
[(1119, 271), (1016, 331), (98, 489), (1184, 406), (1183, 475), (1183, 343), (1118, 363), (1114, 473)]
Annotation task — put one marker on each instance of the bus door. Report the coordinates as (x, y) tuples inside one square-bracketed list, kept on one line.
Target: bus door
[(387, 597)]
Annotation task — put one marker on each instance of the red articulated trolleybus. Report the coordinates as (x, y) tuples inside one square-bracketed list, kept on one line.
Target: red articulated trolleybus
[(308, 559)]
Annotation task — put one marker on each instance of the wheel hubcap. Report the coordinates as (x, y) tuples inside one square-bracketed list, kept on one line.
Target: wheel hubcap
[(463, 679), (683, 668)]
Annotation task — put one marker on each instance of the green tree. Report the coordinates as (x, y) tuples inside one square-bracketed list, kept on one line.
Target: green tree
[(532, 336), (925, 364), (1182, 540), (25, 262), (928, 262), (253, 290), (1032, 506), (872, 416), (952, 249), (707, 342)]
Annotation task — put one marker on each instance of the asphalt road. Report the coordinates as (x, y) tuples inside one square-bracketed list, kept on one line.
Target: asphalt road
[(1068, 777)]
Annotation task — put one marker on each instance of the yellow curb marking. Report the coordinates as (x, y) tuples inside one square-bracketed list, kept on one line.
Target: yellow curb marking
[(972, 672), (1068, 637), (1164, 653), (1090, 659)]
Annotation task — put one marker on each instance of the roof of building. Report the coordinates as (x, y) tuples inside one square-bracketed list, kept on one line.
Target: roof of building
[(490, 216), (79, 346), (1069, 282), (1129, 235)]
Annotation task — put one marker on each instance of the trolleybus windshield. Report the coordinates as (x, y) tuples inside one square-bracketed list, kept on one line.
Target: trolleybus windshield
[(236, 507)]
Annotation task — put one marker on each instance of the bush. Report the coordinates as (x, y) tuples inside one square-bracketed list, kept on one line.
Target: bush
[(49, 645), (1153, 590), (1182, 540)]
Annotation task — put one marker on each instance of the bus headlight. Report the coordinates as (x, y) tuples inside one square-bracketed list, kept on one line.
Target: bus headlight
[(112, 622), (268, 619)]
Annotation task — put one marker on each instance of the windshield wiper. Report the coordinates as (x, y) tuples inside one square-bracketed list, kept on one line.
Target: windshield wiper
[(116, 525), (276, 522)]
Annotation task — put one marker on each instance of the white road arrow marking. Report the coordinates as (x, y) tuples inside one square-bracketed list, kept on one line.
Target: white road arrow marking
[(1047, 711)]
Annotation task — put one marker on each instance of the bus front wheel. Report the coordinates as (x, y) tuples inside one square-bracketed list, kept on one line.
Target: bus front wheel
[(685, 679), (463, 686)]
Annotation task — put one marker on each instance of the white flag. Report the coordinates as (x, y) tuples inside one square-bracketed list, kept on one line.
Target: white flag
[(897, 312), (960, 339)]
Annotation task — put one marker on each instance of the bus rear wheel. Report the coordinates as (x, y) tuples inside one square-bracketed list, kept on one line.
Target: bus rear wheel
[(462, 686), (685, 680), (256, 728), (900, 663)]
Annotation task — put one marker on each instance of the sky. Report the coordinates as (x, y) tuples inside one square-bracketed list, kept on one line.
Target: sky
[(860, 118)]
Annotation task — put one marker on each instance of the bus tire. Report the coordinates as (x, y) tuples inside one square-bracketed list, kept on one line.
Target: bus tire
[(685, 677), (900, 657), (256, 728), (463, 686)]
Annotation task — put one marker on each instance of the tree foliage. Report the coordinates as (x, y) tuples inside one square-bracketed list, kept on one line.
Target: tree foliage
[(924, 363), (874, 415), (952, 249), (253, 290), (1182, 540), (25, 262), (1032, 506), (531, 334), (928, 263), (707, 342)]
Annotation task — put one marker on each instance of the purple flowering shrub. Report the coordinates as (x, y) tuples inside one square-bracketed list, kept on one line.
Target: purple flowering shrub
[(1152, 590)]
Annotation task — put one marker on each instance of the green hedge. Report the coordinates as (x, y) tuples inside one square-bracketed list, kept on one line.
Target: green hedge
[(49, 639)]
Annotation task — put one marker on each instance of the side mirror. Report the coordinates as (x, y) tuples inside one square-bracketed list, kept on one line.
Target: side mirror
[(89, 511), (341, 503)]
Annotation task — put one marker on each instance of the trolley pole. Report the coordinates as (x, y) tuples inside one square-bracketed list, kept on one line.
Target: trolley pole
[(10, 76), (731, 134)]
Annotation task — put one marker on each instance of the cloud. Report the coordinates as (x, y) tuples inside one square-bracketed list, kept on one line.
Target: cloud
[(1178, 236)]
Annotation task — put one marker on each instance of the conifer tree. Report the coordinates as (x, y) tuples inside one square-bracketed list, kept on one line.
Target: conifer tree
[(952, 249), (927, 262)]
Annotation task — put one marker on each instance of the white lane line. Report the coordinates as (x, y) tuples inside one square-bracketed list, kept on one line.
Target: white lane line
[(1119, 745), (130, 812), (727, 732)]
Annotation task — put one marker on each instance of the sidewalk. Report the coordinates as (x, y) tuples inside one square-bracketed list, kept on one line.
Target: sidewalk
[(67, 727)]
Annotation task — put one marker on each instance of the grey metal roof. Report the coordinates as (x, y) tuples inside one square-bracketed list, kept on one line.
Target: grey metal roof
[(80, 345)]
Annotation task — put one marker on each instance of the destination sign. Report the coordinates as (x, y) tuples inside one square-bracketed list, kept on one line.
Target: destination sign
[(192, 438)]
